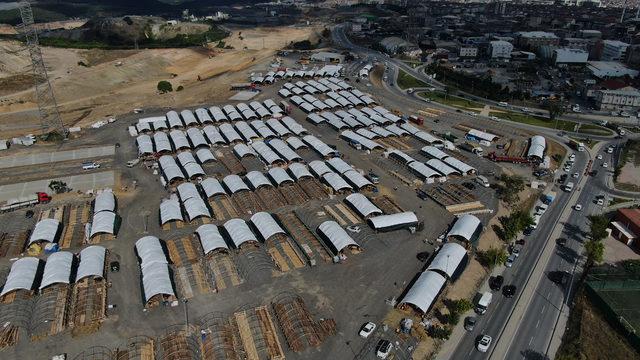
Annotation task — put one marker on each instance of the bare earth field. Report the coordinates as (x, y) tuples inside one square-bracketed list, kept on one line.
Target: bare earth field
[(88, 94)]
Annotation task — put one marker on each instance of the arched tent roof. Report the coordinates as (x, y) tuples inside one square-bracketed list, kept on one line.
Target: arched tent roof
[(243, 150), (170, 168), (299, 171), (22, 275), (448, 259), (339, 165), (170, 210), (203, 115), (278, 127), (537, 146), (205, 155), (366, 143), (425, 290), (422, 170), (196, 137), (284, 150), (192, 201), (295, 143), (57, 269), (401, 156), (105, 201), (179, 139), (481, 135), (190, 165), (161, 142), (382, 131), (428, 138), (396, 130), (174, 119), (285, 93), (467, 227), (441, 167), (210, 238), (246, 131), (434, 152), (410, 128), (218, 114), (160, 124), (103, 222), (45, 230), (356, 179), (265, 152), (149, 250), (316, 119), (188, 118), (234, 183), (213, 135), (363, 205), (229, 133), (239, 232), (393, 221), (263, 130), (336, 182), (156, 280), (212, 187), (257, 179), (266, 225), (319, 146), (279, 176), (367, 134), (145, 145), (337, 237), (462, 167), (92, 260), (319, 167), (187, 190)]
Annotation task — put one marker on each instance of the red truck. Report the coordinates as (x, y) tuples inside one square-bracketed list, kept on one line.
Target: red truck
[(25, 201), (416, 120), (510, 159)]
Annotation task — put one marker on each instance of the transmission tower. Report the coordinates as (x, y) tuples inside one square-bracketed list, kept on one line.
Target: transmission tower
[(47, 105)]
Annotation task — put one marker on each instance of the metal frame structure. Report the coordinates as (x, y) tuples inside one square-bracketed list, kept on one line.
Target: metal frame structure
[(50, 119)]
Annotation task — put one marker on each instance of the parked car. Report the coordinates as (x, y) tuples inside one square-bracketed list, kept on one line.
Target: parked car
[(605, 165), (423, 256), (600, 202), (383, 349), (484, 343), (509, 291), (516, 251), (599, 157), (114, 266), (577, 207), (520, 242), (575, 175), (367, 329), (510, 260), (470, 323), (561, 241), (495, 282), (354, 228)]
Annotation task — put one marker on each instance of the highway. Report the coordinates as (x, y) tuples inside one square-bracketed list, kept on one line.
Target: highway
[(530, 329)]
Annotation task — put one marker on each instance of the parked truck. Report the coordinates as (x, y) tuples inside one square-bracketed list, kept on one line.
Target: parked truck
[(472, 149), (416, 120), (243, 86), (483, 303), (25, 201)]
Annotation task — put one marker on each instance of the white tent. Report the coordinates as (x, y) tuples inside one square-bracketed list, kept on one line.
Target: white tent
[(266, 225), (425, 290), (210, 238), (363, 205), (45, 230), (393, 221), (92, 261), (57, 269), (336, 235), (448, 258), (465, 227), (239, 232), (22, 275)]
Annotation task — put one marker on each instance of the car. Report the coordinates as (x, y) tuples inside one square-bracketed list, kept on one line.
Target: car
[(29, 214), (577, 207), (572, 157), (520, 242), (609, 150), (605, 165), (559, 277), (600, 202), (508, 291), (563, 178), (383, 349), (470, 323), (423, 256), (114, 266), (528, 231), (510, 260), (354, 228), (367, 329), (484, 343), (495, 282), (575, 175), (561, 241), (599, 157), (516, 251)]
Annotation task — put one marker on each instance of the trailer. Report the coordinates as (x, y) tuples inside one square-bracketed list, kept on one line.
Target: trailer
[(243, 86), (510, 159), (472, 149), (416, 120), (25, 201)]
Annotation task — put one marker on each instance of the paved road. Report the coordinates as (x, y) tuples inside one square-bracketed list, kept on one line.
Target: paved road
[(56, 156), (96, 180)]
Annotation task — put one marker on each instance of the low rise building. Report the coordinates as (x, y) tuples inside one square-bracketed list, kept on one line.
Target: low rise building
[(500, 49), (627, 98), (534, 39), (324, 56), (613, 50), (626, 227), (468, 52), (565, 56), (610, 69)]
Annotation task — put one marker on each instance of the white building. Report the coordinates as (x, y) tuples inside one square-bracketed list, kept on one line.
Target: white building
[(626, 98), (501, 49), (468, 51), (613, 50), (610, 69), (570, 56)]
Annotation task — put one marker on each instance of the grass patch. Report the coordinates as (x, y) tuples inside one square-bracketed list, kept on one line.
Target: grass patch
[(563, 125), (616, 201), (451, 100), (589, 143), (406, 81)]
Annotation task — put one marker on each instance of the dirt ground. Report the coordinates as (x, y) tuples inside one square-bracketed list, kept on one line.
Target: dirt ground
[(108, 88), (630, 171)]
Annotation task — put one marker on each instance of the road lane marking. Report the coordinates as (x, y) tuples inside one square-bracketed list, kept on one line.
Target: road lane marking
[(538, 323), (530, 341), (543, 307)]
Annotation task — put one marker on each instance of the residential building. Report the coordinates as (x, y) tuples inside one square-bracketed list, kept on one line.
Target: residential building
[(613, 50), (501, 49), (468, 52), (324, 56), (610, 69), (626, 227), (589, 34), (627, 98), (570, 56), (534, 39), (396, 45)]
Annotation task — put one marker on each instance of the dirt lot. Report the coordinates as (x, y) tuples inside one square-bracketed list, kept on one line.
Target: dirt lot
[(105, 88)]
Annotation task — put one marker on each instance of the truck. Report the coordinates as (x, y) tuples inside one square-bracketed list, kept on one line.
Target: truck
[(483, 303), (472, 149), (25, 201), (511, 159), (242, 86), (548, 197), (577, 145), (482, 180), (416, 120)]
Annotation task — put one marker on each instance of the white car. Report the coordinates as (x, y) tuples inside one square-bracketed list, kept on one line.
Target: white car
[(367, 329), (600, 202), (605, 165), (510, 260), (484, 343), (354, 228), (383, 349), (577, 207), (575, 175), (599, 157), (572, 157)]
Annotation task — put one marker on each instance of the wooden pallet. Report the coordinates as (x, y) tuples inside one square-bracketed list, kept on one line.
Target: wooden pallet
[(306, 239), (293, 194)]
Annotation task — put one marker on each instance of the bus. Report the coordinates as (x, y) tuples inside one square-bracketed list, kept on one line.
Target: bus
[(576, 145)]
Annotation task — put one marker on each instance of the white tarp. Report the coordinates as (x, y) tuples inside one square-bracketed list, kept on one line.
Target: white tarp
[(336, 182), (212, 187), (243, 150), (425, 290), (105, 201), (92, 260), (170, 210), (266, 225), (393, 221), (205, 155), (234, 183), (448, 258), (464, 168), (45, 230), (422, 170), (339, 165), (265, 152), (257, 179), (22, 275), (145, 145), (57, 269), (537, 146), (284, 150), (162, 143), (319, 167), (434, 152), (279, 176), (299, 171), (213, 134), (336, 235), (465, 227), (441, 167), (103, 222), (356, 179), (239, 232), (210, 238), (363, 205), (319, 146)]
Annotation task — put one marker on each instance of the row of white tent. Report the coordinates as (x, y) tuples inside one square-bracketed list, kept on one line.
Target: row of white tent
[(104, 214), (241, 111), (434, 167), (154, 266), (335, 100), (195, 138), (270, 77), (59, 268), (364, 72), (314, 87), (359, 118), (375, 218)]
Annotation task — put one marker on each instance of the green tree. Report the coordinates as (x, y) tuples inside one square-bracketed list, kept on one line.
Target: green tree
[(439, 332), (598, 227), (459, 306), (492, 257), (509, 187), (556, 109), (164, 86), (594, 250)]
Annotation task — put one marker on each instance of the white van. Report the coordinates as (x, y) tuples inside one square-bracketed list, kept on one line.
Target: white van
[(568, 187), (503, 104), (482, 181), (90, 166), (484, 302)]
